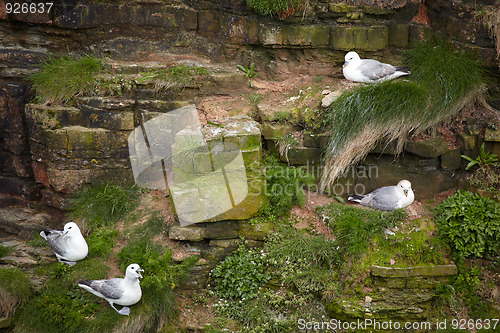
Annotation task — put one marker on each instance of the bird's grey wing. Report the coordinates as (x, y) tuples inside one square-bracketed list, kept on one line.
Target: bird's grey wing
[(56, 242), (383, 198), (111, 289), (375, 69)]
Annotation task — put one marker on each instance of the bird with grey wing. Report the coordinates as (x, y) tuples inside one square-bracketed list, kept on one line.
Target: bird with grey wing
[(387, 198), (68, 245), (369, 70), (122, 291)]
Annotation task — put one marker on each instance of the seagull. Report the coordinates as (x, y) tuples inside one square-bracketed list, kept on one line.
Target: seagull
[(387, 198), (68, 245), (125, 292), (369, 70)]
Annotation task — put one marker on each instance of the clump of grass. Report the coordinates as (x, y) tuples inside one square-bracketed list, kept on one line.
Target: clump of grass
[(61, 79), (280, 8), (103, 204), (4, 251), (443, 80), (174, 78), (490, 16), (15, 290)]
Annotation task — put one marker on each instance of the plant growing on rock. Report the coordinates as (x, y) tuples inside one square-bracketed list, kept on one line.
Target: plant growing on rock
[(281, 8), (470, 224), (240, 275), (61, 79), (249, 72), (443, 81)]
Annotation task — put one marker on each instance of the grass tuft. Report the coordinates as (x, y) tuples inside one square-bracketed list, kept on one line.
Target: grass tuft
[(61, 79), (103, 204), (443, 81)]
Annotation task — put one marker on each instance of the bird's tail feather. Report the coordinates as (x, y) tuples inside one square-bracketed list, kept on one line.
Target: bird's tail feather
[(84, 282), (403, 69)]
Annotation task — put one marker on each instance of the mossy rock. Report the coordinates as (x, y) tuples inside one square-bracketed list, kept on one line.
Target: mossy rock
[(431, 148)]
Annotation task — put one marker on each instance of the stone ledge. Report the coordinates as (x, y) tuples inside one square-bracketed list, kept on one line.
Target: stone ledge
[(440, 270)]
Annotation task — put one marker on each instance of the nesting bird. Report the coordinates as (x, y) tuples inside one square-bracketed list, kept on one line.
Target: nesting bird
[(369, 70), (68, 245), (387, 198), (122, 291)]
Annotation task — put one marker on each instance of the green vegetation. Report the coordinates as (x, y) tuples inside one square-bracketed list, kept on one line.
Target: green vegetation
[(68, 308), (61, 79), (255, 99), (174, 78), (240, 275), (286, 142), (103, 204), (281, 8), (443, 80), (470, 224), (284, 186), (484, 160), (4, 251), (249, 72), (487, 175), (15, 290), (468, 295)]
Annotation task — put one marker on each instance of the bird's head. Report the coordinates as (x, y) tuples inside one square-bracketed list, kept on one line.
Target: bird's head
[(71, 228), (351, 57), (404, 186), (134, 270)]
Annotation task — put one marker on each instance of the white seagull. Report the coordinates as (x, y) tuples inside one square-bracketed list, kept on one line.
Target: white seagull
[(387, 198), (369, 70), (125, 292), (68, 245)]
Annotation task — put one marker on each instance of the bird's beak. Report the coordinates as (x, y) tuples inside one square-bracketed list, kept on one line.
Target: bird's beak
[(406, 192), (64, 233), (345, 64), (139, 272)]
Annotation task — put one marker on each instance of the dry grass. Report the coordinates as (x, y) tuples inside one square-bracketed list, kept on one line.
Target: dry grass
[(490, 16), (444, 81)]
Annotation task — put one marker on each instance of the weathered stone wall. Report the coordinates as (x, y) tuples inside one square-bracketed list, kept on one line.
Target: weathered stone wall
[(398, 294), (149, 30)]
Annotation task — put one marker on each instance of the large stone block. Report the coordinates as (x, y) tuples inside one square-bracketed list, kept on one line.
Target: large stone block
[(467, 142), (492, 135), (451, 160), (399, 35), (270, 34), (298, 35), (302, 156), (390, 272), (273, 131), (429, 148), (370, 38)]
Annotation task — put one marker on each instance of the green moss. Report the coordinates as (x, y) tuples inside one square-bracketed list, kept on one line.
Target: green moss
[(4, 251), (15, 282)]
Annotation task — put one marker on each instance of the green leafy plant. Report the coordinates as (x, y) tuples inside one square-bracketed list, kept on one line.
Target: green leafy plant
[(240, 275), (284, 186), (281, 8), (61, 79), (484, 160), (249, 72), (470, 224)]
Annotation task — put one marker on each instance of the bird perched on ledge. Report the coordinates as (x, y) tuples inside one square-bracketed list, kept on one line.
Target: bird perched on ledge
[(387, 198), (68, 245), (369, 70), (125, 292)]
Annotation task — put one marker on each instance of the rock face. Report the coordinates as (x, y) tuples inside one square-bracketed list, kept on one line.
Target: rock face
[(399, 293)]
